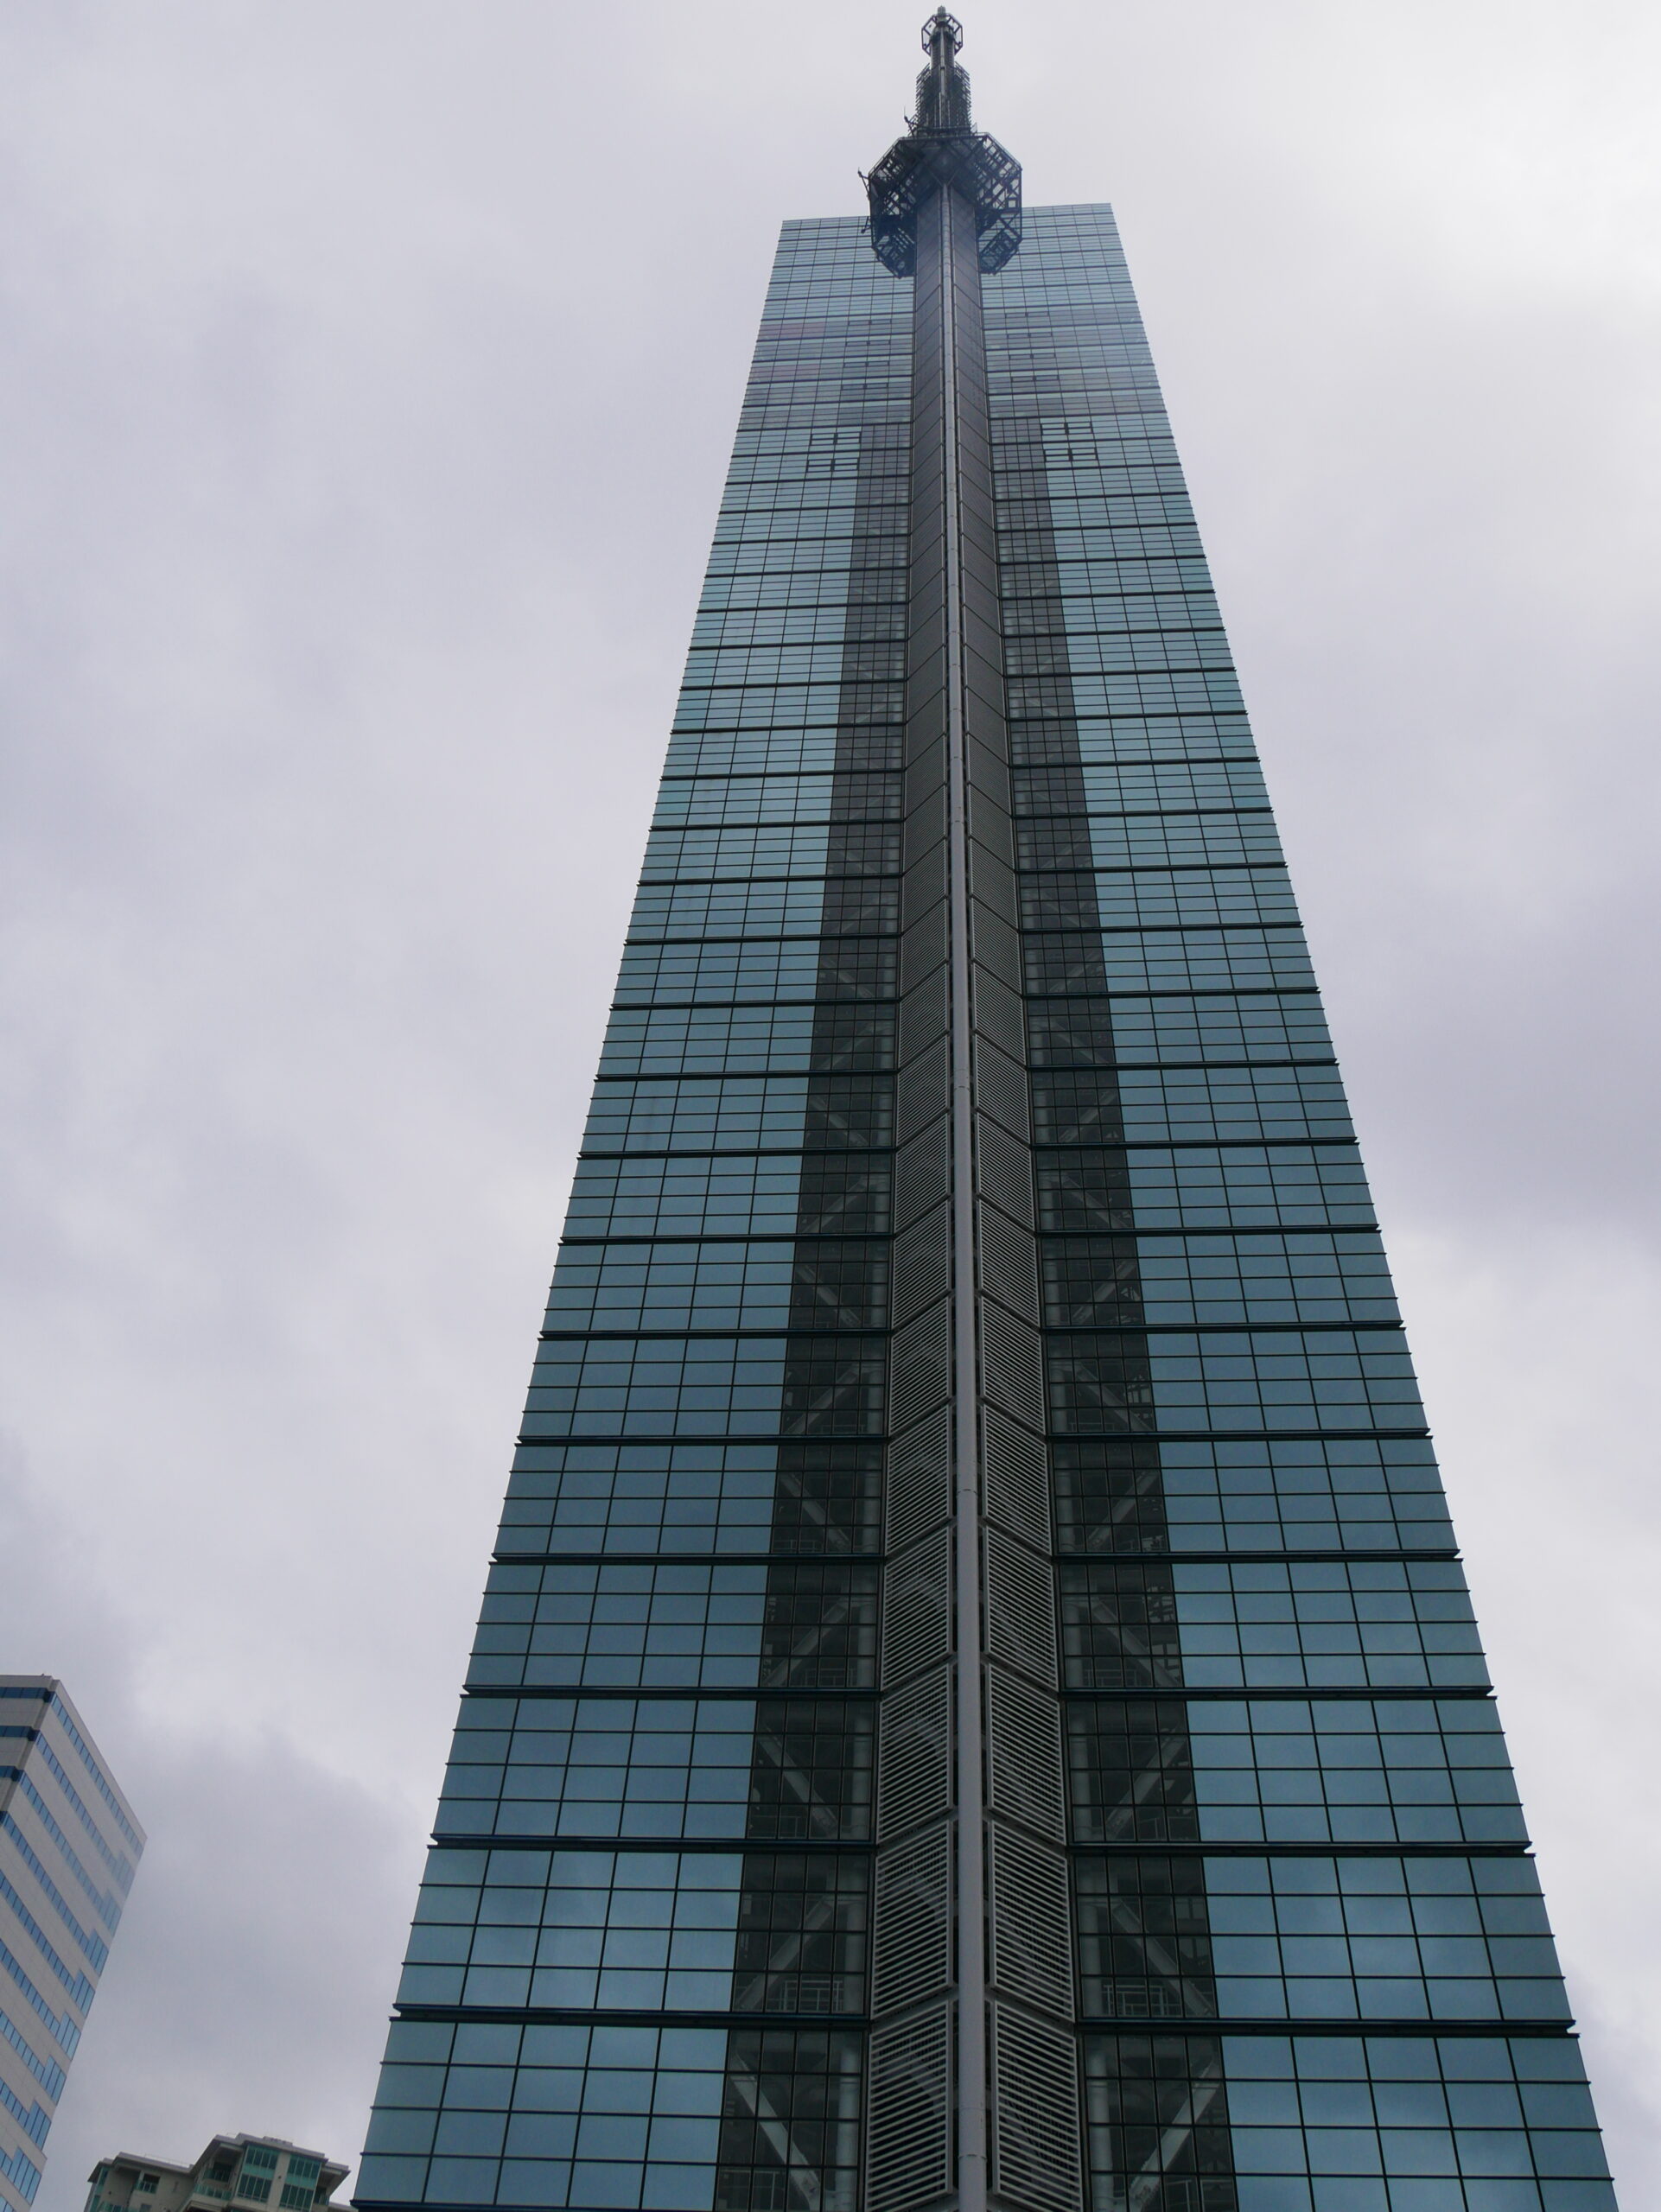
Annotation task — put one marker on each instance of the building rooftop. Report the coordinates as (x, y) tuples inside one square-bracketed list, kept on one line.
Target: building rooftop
[(238, 2171)]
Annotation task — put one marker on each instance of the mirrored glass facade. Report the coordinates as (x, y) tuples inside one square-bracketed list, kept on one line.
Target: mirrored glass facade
[(69, 1848), (976, 1699)]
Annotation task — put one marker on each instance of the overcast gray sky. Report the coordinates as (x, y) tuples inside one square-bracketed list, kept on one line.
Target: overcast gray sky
[(367, 369)]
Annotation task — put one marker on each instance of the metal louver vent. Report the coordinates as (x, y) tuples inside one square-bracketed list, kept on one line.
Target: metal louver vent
[(989, 822), (1012, 1366), (992, 880), (918, 1485), (1019, 1609), (922, 1173), (925, 774), (997, 944), (989, 771), (922, 1016), (917, 1609), (923, 884), (1009, 1264), (913, 1774), (920, 1368), (1015, 1479), (922, 1264), (911, 1928), (908, 2132), (1000, 1089), (922, 948), (1036, 2165), (925, 820), (997, 1013), (1024, 1753), (921, 1091), (1004, 1171), (1029, 1922)]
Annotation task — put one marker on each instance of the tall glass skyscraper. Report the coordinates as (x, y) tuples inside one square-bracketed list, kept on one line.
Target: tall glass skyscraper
[(977, 1702), (69, 1848)]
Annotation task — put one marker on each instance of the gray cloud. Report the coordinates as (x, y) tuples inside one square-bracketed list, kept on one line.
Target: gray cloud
[(367, 376)]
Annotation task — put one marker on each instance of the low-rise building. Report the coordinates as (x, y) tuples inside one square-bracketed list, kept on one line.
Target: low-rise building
[(237, 2170)]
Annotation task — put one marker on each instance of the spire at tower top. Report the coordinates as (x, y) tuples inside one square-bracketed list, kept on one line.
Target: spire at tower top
[(943, 88), (942, 151)]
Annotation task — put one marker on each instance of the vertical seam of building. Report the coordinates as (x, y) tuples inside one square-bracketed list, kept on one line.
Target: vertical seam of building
[(971, 1841)]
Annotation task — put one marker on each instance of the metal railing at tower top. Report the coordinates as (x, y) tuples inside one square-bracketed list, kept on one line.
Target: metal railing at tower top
[(941, 148)]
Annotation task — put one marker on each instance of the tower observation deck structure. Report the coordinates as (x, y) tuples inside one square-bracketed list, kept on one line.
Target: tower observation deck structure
[(977, 1702)]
